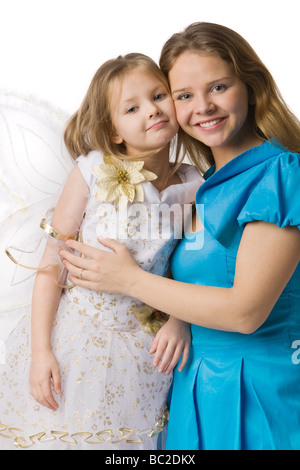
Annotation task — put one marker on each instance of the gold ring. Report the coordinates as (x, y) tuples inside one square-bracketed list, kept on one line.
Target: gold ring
[(81, 274)]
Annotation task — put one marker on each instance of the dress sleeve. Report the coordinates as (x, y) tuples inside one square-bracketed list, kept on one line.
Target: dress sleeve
[(86, 163), (276, 196)]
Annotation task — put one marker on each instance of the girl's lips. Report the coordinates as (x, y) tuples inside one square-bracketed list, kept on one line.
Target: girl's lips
[(157, 125)]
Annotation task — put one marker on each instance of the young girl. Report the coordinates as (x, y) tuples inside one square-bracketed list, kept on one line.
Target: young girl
[(241, 291), (91, 376)]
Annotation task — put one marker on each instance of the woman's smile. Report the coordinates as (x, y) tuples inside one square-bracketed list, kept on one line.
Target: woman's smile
[(212, 124)]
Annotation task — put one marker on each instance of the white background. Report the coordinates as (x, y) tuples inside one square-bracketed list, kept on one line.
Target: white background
[(50, 49)]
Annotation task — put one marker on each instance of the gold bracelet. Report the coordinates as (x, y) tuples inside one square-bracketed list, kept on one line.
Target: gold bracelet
[(53, 233)]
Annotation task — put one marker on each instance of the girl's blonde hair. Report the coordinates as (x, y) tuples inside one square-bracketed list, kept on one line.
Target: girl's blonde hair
[(91, 127), (270, 117)]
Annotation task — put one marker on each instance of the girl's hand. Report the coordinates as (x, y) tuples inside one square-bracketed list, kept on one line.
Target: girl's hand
[(111, 272), (172, 340), (44, 370)]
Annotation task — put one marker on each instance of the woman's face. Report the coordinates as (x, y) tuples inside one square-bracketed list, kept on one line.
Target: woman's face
[(211, 102)]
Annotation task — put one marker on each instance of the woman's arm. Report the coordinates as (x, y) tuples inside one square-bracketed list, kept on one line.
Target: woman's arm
[(46, 293), (267, 258)]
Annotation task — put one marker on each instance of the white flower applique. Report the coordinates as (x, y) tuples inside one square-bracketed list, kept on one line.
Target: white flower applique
[(120, 180)]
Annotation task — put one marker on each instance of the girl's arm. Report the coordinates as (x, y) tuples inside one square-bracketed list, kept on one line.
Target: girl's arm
[(266, 260), (172, 341), (46, 293)]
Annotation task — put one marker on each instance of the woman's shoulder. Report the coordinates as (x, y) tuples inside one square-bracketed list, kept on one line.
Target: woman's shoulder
[(260, 185), (271, 159), (257, 163), (274, 195), (286, 159), (281, 170)]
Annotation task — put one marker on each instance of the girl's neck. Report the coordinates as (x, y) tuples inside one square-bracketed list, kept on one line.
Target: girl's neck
[(159, 164)]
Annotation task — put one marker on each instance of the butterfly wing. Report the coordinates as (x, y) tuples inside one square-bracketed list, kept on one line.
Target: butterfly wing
[(34, 165)]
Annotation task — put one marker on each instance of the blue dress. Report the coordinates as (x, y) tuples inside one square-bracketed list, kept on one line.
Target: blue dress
[(240, 392)]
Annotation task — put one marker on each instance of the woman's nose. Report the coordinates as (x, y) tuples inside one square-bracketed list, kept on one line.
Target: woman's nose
[(204, 104)]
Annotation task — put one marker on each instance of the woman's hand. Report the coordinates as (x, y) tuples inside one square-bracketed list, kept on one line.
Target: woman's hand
[(45, 374), (171, 341), (113, 272)]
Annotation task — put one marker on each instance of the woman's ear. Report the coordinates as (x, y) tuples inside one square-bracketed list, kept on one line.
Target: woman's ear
[(251, 96)]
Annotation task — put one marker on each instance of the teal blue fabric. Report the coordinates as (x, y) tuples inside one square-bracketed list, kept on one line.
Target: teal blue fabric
[(240, 392)]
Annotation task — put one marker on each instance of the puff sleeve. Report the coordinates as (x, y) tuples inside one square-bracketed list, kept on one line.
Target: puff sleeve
[(262, 184), (86, 163), (276, 196)]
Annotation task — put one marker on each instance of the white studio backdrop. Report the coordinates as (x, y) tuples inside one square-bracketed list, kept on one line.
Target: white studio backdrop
[(50, 50)]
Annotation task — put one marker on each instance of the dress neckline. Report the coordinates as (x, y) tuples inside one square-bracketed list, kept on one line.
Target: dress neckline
[(244, 161), (174, 192)]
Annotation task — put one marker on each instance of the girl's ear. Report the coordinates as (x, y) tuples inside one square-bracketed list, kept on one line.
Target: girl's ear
[(116, 138)]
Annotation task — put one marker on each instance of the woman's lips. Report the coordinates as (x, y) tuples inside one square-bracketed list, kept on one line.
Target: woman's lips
[(211, 124)]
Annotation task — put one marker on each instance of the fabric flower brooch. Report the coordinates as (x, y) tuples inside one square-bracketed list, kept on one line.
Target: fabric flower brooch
[(121, 180), (150, 319)]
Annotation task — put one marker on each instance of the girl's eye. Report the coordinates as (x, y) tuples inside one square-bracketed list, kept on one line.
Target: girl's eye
[(218, 88), (159, 97), (131, 110)]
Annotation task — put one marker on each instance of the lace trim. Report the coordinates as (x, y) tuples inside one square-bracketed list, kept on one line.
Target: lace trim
[(128, 435)]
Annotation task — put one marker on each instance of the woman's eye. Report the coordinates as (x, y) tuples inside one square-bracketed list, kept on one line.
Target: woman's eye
[(184, 96), (218, 88)]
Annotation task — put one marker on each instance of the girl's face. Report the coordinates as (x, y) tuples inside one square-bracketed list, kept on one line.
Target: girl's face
[(143, 113), (211, 103)]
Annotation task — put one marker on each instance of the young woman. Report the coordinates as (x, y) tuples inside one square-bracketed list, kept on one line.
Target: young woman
[(241, 290)]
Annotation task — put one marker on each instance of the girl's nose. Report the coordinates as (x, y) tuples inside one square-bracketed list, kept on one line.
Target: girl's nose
[(153, 111)]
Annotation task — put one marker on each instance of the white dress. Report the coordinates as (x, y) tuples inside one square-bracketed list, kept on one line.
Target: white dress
[(112, 396)]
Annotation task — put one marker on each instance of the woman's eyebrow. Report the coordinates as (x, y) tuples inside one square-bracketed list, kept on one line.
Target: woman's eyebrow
[(179, 90)]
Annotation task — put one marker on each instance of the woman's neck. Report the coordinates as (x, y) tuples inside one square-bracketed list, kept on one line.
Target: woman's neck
[(227, 153)]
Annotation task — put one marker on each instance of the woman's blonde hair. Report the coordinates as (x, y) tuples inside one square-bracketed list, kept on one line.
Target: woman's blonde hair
[(91, 127), (270, 117)]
